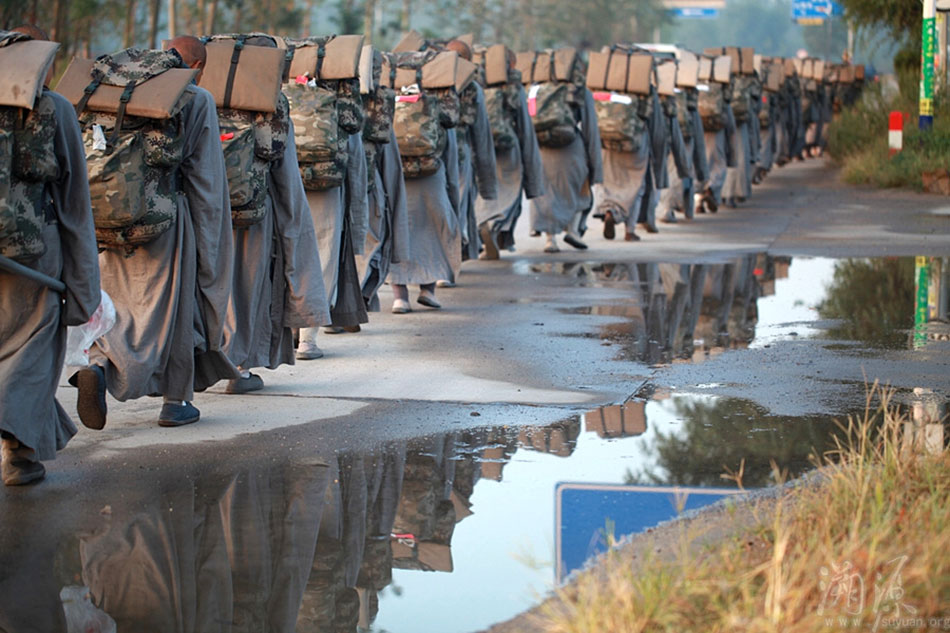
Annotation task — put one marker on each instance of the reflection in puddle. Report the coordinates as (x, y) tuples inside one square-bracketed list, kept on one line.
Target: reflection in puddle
[(344, 541), (691, 312)]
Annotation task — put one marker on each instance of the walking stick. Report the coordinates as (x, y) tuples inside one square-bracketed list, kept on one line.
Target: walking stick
[(16, 268)]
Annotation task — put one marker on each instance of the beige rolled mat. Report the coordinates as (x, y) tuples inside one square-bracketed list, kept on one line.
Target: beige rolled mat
[(496, 64), (620, 72), (257, 79), (438, 73), (465, 74), (666, 78), (411, 42), (366, 70), (535, 66), (688, 74), (341, 59), (153, 99), (23, 68), (747, 57), (705, 68), (722, 69)]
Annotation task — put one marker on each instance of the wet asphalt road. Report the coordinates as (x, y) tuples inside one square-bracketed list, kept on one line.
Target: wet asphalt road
[(527, 340)]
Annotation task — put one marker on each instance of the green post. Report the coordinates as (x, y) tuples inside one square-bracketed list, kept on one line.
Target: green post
[(921, 301), (928, 46)]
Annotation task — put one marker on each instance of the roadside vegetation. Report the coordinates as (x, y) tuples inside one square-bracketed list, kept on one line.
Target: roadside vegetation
[(858, 138), (861, 546)]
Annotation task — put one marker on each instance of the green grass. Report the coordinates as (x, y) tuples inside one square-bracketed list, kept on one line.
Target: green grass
[(873, 537), (858, 141)]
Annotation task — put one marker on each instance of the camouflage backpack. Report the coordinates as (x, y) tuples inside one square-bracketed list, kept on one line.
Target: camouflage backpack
[(421, 118), (502, 107), (621, 121), (27, 163), (132, 161), (553, 107), (379, 106), (712, 106), (742, 89)]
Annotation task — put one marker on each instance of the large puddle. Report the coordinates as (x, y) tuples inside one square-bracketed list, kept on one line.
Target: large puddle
[(458, 531)]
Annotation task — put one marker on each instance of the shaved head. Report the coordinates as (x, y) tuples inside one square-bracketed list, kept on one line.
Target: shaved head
[(191, 50), (33, 31), (464, 50)]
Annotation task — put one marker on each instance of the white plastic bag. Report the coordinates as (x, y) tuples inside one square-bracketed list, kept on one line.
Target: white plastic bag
[(80, 338), (82, 616)]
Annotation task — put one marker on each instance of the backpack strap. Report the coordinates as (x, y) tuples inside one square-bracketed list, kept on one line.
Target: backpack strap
[(235, 57), (553, 68), (626, 76), (419, 78), (120, 116), (88, 91), (534, 63), (321, 54)]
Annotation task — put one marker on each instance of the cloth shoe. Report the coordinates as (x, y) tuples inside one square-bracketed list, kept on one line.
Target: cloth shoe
[(610, 226), (178, 414), (401, 306), (18, 464), (91, 403), (245, 385), (574, 241), (428, 299), (333, 329), (444, 283), (308, 350)]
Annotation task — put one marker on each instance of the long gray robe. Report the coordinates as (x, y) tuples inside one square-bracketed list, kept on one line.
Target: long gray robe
[(277, 282), (477, 173), (224, 553), (625, 184), (721, 154), (678, 167), (736, 184), (520, 171), (435, 250), (171, 295), (570, 172), (33, 318), (342, 214), (387, 240)]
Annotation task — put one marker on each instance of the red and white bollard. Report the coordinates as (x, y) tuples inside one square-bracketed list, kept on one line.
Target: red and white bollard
[(895, 133)]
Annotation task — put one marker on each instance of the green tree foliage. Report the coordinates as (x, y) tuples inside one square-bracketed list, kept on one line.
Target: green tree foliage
[(902, 18), (874, 299), (721, 435)]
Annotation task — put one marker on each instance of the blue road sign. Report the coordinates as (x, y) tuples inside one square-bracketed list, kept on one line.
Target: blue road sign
[(695, 13), (815, 9), (582, 513)]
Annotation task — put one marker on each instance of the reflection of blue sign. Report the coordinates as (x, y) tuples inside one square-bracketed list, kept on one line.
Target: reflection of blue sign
[(702, 13), (815, 9), (582, 513)]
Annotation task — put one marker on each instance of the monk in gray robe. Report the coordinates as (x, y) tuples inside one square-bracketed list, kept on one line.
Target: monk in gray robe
[(721, 155), (33, 317), (677, 165), (339, 217), (520, 174), (628, 180), (278, 284), (477, 168), (435, 251), (387, 238), (570, 173), (171, 294)]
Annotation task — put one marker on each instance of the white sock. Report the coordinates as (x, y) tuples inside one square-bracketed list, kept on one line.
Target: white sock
[(308, 335)]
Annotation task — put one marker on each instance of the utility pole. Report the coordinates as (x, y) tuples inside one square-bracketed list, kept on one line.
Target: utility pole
[(928, 45)]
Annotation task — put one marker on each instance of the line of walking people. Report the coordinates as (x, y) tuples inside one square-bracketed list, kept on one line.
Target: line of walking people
[(232, 195)]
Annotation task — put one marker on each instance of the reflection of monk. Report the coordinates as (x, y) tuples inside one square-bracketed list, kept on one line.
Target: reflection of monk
[(622, 420), (220, 554)]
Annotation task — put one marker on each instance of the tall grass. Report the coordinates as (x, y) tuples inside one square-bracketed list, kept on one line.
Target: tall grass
[(868, 543), (858, 139)]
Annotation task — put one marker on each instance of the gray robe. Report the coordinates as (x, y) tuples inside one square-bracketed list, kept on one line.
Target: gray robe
[(737, 183), (435, 251), (224, 553), (340, 218), (477, 173), (570, 173), (387, 240), (277, 282), (171, 295), (625, 184), (33, 318), (520, 171), (679, 169), (720, 154)]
